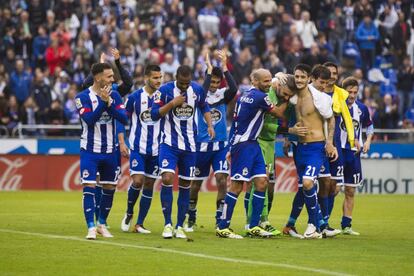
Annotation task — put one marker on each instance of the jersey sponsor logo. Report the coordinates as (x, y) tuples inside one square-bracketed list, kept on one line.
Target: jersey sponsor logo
[(85, 173), (183, 112), (354, 122), (215, 116), (267, 100), (246, 99), (134, 163), (145, 117), (164, 163), (245, 171), (105, 118), (78, 103)]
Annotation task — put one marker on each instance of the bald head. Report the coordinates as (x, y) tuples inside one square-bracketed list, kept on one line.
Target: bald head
[(262, 79)]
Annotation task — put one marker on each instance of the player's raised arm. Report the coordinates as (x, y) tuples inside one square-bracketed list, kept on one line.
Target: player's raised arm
[(86, 112), (116, 108), (231, 91), (125, 87)]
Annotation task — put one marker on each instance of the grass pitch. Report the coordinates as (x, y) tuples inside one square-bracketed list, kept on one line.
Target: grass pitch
[(42, 233)]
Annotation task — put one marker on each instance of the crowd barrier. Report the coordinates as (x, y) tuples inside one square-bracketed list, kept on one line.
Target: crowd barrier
[(61, 172)]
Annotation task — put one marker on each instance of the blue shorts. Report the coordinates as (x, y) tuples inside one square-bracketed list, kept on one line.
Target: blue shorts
[(247, 161), (170, 157), (325, 169), (337, 168), (309, 160), (104, 164), (352, 168), (143, 164), (206, 159)]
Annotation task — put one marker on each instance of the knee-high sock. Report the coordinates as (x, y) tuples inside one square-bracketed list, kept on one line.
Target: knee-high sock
[(229, 203), (88, 201), (144, 205), (183, 202), (192, 210), (346, 222), (166, 202), (246, 205), (219, 210), (133, 194), (311, 201), (324, 204), (98, 194), (257, 208), (297, 206), (106, 204)]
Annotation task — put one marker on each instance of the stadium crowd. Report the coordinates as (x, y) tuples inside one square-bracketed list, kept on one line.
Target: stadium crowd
[(47, 48)]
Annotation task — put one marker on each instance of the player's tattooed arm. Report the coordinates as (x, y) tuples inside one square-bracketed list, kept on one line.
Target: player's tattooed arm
[(331, 150)]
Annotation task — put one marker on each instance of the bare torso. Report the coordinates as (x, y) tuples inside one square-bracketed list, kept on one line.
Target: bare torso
[(307, 115)]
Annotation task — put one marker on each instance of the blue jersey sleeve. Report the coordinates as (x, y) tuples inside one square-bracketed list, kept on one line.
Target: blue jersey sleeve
[(117, 108), (264, 103), (86, 112), (160, 99), (365, 117), (129, 105)]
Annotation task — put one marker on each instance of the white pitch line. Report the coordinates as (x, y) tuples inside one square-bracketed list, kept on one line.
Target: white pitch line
[(191, 254)]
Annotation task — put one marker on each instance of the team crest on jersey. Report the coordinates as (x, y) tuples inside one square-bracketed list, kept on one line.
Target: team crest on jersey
[(105, 118), (134, 163), (78, 103), (157, 97), (85, 173), (354, 122), (145, 117), (322, 168), (197, 171), (183, 112), (245, 171), (164, 163), (215, 116)]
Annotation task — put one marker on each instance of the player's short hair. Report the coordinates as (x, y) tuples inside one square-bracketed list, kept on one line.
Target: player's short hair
[(304, 68), (349, 82), (291, 84), (331, 64), (184, 71), (217, 72), (320, 71), (98, 68), (151, 68)]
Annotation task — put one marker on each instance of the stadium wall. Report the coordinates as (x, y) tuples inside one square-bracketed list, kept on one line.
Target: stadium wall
[(52, 165)]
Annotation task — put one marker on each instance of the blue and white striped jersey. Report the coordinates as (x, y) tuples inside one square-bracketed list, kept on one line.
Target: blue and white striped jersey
[(144, 132), (179, 125), (98, 120), (360, 119), (248, 115)]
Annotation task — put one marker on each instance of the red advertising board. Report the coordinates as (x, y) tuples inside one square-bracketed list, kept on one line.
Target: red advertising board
[(53, 172)]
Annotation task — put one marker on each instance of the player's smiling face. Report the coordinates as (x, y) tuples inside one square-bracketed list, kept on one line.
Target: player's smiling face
[(353, 94), (264, 82), (183, 82), (106, 77), (214, 84), (301, 79), (154, 80), (334, 75)]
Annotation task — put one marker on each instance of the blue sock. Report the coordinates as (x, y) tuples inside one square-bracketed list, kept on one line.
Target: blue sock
[(106, 204), (257, 206), (166, 202), (246, 203), (331, 200), (219, 210), (311, 201), (192, 210), (346, 222), (98, 194), (133, 194), (229, 203), (297, 207), (89, 205), (183, 202), (324, 204), (144, 205)]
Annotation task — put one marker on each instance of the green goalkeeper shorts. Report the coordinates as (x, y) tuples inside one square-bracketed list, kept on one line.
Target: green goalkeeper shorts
[(268, 151)]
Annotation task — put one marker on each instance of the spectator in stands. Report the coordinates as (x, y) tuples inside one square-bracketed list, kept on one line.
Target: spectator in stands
[(70, 111), (243, 65), (405, 85), (12, 115), (306, 30), (56, 117), (42, 95), (250, 31), (40, 44), (169, 65), (61, 86), (401, 34), (29, 115), (265, 7), (387, 116), (367, 35), (20, 82), (57, 54)]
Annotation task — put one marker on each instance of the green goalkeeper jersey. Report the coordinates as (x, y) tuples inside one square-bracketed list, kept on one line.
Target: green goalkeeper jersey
[(270, 122)]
